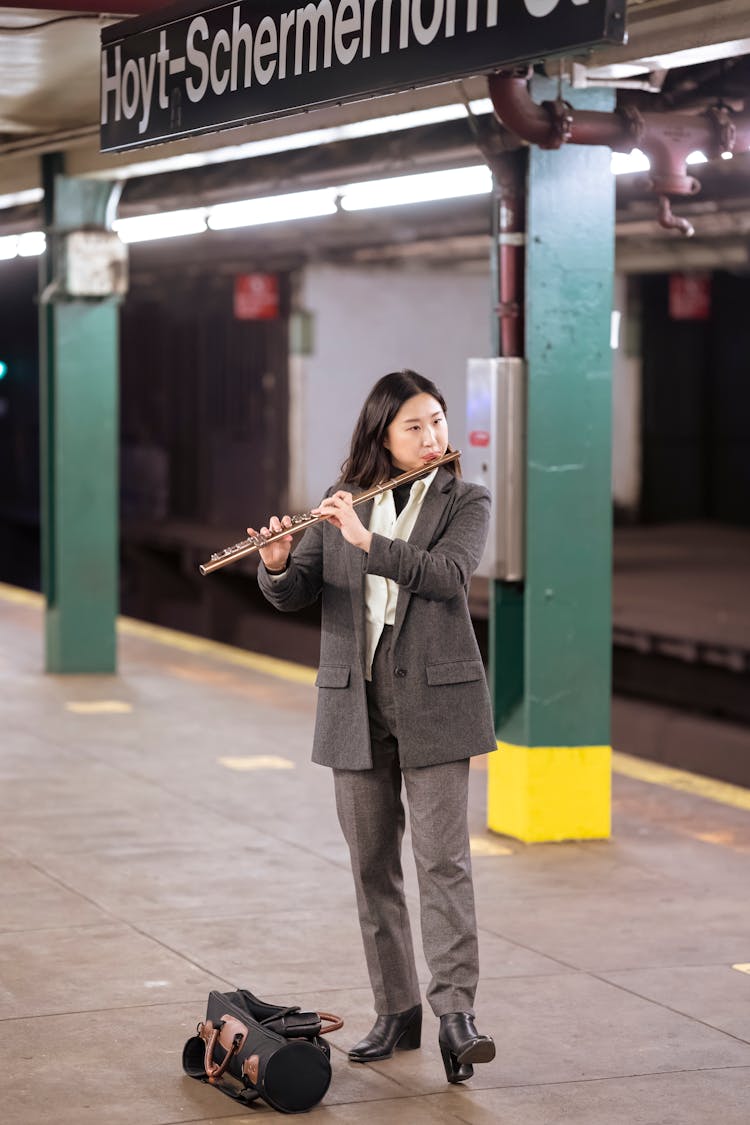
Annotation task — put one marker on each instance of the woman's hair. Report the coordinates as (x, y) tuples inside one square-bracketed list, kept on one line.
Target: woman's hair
[(369, 461)]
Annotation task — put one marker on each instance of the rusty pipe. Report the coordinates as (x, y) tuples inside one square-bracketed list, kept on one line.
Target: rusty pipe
[(667, 139)]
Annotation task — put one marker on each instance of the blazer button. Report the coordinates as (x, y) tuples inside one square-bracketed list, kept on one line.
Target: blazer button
[(399, 671)]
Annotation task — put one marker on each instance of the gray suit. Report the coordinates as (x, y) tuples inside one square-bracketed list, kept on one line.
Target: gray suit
[(425, 713), (440, 690)]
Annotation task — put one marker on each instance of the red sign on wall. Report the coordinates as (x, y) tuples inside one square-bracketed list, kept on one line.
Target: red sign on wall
[(690, 296), (256, 296), (479, 437)]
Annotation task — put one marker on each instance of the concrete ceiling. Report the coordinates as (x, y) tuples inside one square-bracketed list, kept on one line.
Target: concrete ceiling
[(49, 76)]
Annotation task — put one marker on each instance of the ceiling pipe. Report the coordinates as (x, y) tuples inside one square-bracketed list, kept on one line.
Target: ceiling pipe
[(666, 138)]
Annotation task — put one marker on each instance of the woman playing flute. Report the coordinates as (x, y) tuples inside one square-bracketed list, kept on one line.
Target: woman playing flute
[(402, 702)]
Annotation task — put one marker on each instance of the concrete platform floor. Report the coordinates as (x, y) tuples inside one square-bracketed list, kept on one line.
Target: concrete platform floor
[(162, 833)]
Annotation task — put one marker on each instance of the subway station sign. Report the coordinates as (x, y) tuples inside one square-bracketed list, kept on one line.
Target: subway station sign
[(192, 68)]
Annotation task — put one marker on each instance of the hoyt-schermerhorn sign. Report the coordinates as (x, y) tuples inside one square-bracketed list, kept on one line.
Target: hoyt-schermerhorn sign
[(192, 67)]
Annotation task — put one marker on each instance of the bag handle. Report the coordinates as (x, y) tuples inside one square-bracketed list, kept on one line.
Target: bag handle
[(334, 1023), (212, 1034)]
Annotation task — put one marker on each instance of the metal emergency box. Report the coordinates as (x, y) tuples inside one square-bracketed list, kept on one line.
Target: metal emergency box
[(494, 455)]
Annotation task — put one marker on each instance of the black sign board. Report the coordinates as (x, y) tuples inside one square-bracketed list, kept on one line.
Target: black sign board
[(193, 68)]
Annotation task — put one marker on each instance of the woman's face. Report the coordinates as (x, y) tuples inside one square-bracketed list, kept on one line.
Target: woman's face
[(418, 433)]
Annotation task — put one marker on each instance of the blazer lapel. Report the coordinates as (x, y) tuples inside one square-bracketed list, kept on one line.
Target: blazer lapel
[(428, 519)]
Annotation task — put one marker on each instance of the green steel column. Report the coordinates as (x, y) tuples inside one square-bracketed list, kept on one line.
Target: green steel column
[(79, 442), (550, 777)]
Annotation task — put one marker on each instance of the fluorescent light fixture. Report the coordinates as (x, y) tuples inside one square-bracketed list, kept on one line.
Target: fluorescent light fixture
[(696, 157), (31, 244), (376, 126), (273, 209), (624, 162), (169, 224), (19, 198), (422, 188), (690, 57), (614, 329), (8, 247)]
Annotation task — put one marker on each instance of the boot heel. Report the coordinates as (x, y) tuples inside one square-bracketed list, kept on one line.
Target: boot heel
[(411, 1038), (455, 1071)]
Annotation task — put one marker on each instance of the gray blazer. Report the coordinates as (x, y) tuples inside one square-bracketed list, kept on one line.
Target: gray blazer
[(442, 702)]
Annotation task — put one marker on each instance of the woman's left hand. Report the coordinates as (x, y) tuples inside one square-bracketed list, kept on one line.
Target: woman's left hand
[(339, 510)]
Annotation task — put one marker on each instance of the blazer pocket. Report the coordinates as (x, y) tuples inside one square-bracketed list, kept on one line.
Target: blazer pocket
[(455, 672), (332, 675)]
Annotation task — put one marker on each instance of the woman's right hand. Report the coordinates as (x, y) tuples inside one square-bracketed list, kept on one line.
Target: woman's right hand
[(275, 555)]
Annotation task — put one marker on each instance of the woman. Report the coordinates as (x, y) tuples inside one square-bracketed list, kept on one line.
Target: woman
[(403, 697)]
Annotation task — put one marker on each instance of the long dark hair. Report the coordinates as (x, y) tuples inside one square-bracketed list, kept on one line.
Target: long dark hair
[(369, 462)]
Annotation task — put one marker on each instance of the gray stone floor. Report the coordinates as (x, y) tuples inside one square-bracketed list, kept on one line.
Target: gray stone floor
[(138, 870)]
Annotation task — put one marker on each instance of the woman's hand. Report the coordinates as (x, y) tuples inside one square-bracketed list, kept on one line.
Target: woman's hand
[(275, 555), (339, 510)]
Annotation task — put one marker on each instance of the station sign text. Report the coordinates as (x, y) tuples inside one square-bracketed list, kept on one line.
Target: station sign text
[(203, 68)]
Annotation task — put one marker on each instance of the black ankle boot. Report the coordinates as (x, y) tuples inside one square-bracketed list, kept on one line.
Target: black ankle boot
[(402, 1031), (461, 1045)]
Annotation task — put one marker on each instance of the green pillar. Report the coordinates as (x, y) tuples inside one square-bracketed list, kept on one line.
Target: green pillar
[(79, 439), (551, 637)]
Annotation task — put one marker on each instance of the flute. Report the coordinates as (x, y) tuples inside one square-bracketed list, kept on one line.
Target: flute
[(306, 519)]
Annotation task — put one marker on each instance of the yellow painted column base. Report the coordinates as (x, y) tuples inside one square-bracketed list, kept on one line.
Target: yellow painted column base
[(538, 793)]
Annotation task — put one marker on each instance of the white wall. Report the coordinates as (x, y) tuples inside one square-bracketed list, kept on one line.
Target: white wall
[(368, 322)]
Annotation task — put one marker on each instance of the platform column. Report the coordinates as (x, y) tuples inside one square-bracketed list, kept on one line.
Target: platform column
[(78, 440), (551, 637)]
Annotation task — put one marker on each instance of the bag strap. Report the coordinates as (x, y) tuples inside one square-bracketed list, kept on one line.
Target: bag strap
[(334, 1023), (211, 1033)]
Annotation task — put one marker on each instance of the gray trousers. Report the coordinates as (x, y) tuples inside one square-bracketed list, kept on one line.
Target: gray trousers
[(372, 818)]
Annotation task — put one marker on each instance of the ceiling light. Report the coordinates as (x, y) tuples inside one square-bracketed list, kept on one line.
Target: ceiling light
[(32, 243), (624, 162), (273, 209), (376, 126), (19, 198), (696, 157), (8, 248), (169, 224), (422, 188)]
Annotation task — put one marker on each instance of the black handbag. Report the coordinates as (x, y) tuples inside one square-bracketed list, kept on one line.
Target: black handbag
[(249, 1049)]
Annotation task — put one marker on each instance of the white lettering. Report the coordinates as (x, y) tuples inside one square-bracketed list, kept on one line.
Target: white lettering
[(242, 36), (471, 15), (130, 72), (450, 18), (285, 26), (367, 28), (162, 59), (111, 85), (347, 25), (312, 15), (541, 8), (147, 86), (404, 39), (197, 58), (219, 82), (266, 43), (385, 28), (422, 34)]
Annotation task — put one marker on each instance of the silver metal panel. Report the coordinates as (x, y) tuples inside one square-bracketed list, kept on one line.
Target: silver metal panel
[(494, 455)]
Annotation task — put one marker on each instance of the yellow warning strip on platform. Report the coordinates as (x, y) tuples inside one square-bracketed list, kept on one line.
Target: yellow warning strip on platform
[(17, 596), (623, 764), (199, 646), (670, 778)]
